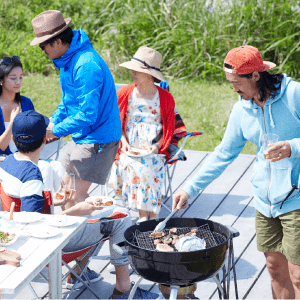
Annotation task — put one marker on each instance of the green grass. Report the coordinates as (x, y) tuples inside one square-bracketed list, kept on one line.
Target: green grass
[(202, 106), (192, 35)]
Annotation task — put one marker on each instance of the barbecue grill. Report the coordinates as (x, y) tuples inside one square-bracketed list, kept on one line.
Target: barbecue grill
[(179, 269)]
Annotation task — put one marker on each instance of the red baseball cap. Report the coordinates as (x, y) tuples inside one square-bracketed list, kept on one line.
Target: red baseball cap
[(245, 60)]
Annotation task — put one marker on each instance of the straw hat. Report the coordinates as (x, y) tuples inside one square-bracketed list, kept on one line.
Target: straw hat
[(146, 60), (47, 25)]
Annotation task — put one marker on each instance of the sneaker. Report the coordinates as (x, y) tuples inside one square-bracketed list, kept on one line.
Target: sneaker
[(111, 268), (139, 294), (92, 275)]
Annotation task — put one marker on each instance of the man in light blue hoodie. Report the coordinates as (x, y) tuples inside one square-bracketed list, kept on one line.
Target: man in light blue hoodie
[(267, 104), (89, 111)]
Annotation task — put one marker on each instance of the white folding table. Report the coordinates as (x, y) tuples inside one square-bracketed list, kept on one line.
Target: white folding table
[(36, 253)]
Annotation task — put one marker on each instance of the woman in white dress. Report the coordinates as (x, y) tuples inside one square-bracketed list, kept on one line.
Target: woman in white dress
[(148, 121)]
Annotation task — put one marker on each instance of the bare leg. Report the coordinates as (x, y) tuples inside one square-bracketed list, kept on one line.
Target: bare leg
[(152, 215), (122, 279), (143, 214), (295, 278), (282, 287), (81, 187)]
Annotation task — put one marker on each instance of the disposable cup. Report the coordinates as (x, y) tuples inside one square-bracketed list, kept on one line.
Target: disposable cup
[(267, 140)]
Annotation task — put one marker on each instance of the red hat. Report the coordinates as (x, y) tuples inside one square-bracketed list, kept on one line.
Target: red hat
[(245, 60)]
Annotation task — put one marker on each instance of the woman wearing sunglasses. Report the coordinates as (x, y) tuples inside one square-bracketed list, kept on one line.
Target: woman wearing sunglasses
[(11, 102)]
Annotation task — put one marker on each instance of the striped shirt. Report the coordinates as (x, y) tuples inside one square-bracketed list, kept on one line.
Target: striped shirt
[(23, 179)]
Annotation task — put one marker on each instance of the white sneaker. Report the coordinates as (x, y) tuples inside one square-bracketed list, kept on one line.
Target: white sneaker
[(111, 269)]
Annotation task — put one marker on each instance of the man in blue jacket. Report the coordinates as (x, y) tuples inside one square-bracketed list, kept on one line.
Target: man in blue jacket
[(267, 104), (88, 109)]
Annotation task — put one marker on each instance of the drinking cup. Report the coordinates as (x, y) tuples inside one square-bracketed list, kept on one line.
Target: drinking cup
[(267, 140)]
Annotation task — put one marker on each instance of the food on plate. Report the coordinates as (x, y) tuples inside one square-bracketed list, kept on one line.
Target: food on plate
[(164, 248), (103, 202), (195, 230), (134, 152), (108, 203), (6, 237), (158, 234), (98, 202)]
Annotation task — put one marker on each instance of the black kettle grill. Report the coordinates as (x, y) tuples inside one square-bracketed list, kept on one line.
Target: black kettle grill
[(178, 269)]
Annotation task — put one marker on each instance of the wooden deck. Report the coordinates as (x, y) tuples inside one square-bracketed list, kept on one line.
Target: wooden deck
[(228, 200)]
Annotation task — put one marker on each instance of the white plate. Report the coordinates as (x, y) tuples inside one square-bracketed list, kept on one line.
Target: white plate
[(93, 198), (26, 217), (43, 232), (143, 153), (61, 221), (17, 234)]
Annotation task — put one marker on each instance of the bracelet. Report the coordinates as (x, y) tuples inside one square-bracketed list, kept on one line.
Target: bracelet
[(156, 145)]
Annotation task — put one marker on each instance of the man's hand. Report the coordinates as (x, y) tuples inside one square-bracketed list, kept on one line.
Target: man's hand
[(278, 151), (178, 199), (49, 134), (60, 197), (82, 209)]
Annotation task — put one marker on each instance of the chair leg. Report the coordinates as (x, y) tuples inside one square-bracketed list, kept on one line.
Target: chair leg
[(33, 291), (78, 277)]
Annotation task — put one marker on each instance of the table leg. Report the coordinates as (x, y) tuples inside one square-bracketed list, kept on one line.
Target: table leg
[(55, 271)]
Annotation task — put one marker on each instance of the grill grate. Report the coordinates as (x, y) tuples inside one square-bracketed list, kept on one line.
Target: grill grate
[(142, 239)]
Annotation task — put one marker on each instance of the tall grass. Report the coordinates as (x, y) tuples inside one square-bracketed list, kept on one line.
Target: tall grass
[(193, 35)]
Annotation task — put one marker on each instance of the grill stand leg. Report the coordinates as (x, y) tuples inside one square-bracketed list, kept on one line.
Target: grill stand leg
[(220, 289), (135, 287), (174, 291)]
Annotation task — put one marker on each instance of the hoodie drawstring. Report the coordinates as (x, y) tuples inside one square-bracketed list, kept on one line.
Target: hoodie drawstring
[(271, 119)]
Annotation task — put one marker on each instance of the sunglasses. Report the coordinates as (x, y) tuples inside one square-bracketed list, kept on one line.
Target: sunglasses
[(42, 45), (8, 60)]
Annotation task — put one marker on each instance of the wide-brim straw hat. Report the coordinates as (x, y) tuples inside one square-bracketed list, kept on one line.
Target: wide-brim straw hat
[(146, 60), (48, 24)]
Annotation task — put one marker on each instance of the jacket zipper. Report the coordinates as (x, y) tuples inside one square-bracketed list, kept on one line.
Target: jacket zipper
[(269, 164)]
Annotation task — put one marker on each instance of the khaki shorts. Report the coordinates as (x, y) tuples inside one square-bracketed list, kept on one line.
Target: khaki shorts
[(89, 163), (280, 234)]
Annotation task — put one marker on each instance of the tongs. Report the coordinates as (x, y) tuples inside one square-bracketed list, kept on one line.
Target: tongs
[(161, 226)]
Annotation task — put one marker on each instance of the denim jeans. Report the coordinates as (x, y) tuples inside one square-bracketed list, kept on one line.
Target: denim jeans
[(92, 233)]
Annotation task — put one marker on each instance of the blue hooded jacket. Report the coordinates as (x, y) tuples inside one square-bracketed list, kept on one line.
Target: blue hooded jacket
[(271, 181), (89, 107)]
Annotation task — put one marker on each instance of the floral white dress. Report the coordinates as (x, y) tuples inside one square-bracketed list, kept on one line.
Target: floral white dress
[(138, 180)]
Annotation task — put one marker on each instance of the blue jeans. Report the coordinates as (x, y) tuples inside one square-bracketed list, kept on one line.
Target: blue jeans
[(92, 233)]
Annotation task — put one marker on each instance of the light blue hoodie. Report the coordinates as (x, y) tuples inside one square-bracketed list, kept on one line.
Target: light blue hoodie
[(89, 107), (271, 181)]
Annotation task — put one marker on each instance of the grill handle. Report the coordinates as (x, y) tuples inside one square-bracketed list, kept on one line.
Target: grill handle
[(123, 252), (233, 231)]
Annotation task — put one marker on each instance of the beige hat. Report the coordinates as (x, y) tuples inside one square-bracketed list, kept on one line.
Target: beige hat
[(47, 25), (146, 60)]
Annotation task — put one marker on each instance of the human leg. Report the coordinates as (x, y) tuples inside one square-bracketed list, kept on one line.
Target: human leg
[(277, 264), (294, 271), (280, 239), (81, 187)]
